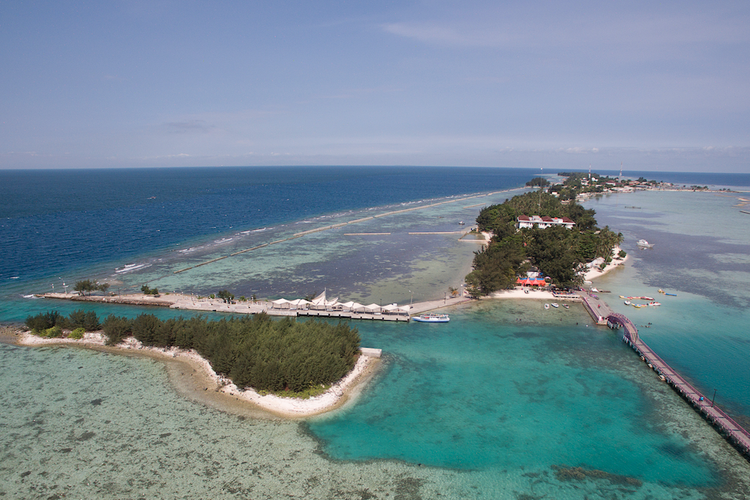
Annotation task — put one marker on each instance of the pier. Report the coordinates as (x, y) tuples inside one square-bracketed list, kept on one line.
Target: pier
[(733, 432), (189, 302), (596, 307)]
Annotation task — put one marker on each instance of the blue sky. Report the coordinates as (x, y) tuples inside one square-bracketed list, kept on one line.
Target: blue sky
[(655, 85)]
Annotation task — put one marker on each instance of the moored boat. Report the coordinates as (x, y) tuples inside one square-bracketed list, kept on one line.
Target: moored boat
[(644, 244), (432, 318), (555, 305), (546, 306)]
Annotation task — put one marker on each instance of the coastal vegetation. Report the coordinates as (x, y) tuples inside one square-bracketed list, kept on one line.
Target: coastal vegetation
[(77, 319), (88, 286), (538, 182), (149, 291), (268, 355), (556, 251), (226, 296)]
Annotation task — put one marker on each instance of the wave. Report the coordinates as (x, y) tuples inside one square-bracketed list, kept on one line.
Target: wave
[(251, 231), (129, 268)]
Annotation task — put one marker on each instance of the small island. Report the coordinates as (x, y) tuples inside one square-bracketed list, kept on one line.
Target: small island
[(542, 231), (268, 362)]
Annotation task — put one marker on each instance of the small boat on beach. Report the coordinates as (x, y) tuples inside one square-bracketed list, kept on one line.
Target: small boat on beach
[(432, 318), (546, 306), (566, 306), (555, 305)]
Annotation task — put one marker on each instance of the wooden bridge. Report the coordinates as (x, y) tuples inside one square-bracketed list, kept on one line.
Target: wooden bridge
[(727, 427)]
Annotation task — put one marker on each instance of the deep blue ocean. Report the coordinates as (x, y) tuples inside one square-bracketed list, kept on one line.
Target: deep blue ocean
[(52, 221), (500, 403)]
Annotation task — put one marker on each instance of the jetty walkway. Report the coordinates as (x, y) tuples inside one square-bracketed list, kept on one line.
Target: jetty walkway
[(189, 302), (733, 432), (596, 307)]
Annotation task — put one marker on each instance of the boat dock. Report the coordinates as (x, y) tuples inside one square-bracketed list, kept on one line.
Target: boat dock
[(733, 432)]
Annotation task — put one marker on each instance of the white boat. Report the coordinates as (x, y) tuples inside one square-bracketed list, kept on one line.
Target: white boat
[(644, 244), (627, 302), (546, 306), (555, 305), (566, 306), (432, 318)]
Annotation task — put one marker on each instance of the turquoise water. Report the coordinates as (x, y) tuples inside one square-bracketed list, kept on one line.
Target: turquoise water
[(491, 405), (701, 248), (488, 391)]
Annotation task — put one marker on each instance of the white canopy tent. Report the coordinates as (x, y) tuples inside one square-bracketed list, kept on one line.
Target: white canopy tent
[(319, 302), (281, 304), (299, 304)]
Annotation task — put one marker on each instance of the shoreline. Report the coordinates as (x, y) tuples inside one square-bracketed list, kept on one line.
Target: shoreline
[(592, 274), (345, 390)]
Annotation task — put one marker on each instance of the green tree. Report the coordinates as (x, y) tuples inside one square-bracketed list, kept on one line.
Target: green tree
[(226, 296), (85, 286), (538, 182)]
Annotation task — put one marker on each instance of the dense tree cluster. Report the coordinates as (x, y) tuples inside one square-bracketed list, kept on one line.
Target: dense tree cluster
[(149, 291), (556, 251), (87, 320), (257, 352)]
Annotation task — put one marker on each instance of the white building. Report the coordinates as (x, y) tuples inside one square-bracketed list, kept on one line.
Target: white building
[(524, 221)]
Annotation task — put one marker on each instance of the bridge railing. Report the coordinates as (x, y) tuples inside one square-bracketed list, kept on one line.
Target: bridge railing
[(687, 385)]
